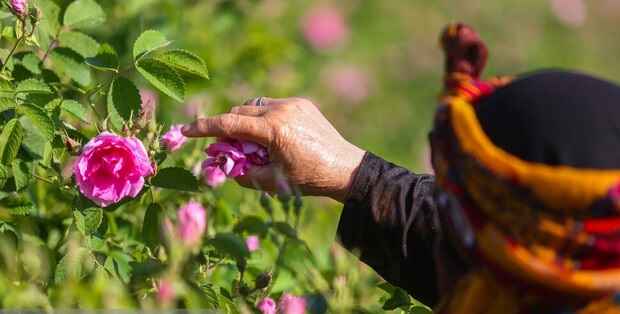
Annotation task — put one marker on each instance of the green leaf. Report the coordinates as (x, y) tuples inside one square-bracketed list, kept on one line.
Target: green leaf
[(175, 178), (230, 243), (39, 118), (81, 43), (419, 309), (33, 86), (251, 224), (50, 12), (227, 306), (163, 77), (74, 266), (123, 99), (186, 61), (147, 42), (399, 298), (32, 63), (21, 173), (75, 108), (3, 175), (153, 221), (10, 140), (6, 85), (16, 205), (7, 104), (211, 297), (33, 138), (72, 64), (106, 59), (83, 14), (88, 220), (285, 229)]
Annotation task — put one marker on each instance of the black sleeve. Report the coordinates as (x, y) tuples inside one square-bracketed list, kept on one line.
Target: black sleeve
[(390, 219)]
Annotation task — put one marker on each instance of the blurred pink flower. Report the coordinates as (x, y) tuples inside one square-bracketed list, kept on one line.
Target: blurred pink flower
[(193, 107), (173, 139), (349, 83), (111, 167), (150, 101), (234, 158), (192, 223), (289, 304), (267, 306), (325, 28), (214, 176), (19, 6), (569, 12), (252, 242), (165, 293)]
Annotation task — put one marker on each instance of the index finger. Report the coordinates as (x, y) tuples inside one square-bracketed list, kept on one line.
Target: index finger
[(229, 126)]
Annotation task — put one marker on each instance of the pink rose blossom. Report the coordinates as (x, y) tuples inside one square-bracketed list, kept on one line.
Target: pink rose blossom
[(350, 83), (192, 223), (292, 305), (19, 6), (267, 306), (569, 12), (325, 28), (111, 167), (214, 176), (234, 158), (252, 242), (165, 293), (173, 139)]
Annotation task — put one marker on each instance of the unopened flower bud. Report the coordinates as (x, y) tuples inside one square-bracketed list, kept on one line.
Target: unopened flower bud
[(74, 147), (242, 264), (262, 280), (245, 290)]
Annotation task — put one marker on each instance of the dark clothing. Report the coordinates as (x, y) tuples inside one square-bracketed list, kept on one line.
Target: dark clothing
[(390, 219)]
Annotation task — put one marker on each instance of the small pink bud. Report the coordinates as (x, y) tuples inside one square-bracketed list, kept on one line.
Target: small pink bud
[(19, 6), (192, 223), (267, 306), (252, 242), (292, 305), (173, 139), (165, 293)]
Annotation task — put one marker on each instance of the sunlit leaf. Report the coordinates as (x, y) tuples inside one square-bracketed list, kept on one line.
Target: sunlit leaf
[(38, 116), (123, 99), (163, 77), (75, 108), (74, 266), (21, 173), (6, 85), (186, 61), (106, 59), (3, 175), (83, 14), (7, 104), (175, 178), (33, 86), (72, 64), (148, 41), (151, 225), (10, 139), (16, 205), (81, 43)]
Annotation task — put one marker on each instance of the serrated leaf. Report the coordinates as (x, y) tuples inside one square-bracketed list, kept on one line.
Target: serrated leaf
[(123, 99), (75, 108), (419, 309), (227, 306), (72, 64), (21, 173), (153, 220), (399, 298), (10, 140), (175, 178), (285, 229), (32, 63), (6, 85), (106, 59), (230, 243), (50, 23), (83, 14), (74, 266), (92, 217), (81, 43), (38, 116), (16, 205), (7, 104), (3, 175), (186, 61), (147, 42), (47, 154), (79, 222), (32, 86), (163, 77), (211, 297), (32, 138)]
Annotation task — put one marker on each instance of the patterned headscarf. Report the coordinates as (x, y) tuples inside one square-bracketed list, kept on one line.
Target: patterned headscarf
[(545, 235)]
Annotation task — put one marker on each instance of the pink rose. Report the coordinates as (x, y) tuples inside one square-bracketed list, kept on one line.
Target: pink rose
[(234, 158), (150, 100), (252, 242), (173, 139), (325, 28), (192, 223), (350, 83), (214, 176), (19, 6), (292, 305), (165, 293), (267, 306), (111, 167)]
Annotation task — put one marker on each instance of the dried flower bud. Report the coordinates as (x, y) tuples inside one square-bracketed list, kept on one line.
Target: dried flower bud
[(262, 280), (245, 290)]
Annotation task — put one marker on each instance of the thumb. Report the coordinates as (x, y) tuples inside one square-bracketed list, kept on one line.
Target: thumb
[(259, 178)]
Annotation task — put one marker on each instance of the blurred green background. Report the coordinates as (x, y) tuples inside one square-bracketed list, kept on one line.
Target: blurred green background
[(377, 82)]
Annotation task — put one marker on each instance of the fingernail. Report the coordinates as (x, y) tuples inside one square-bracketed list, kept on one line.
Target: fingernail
[(185, 128)]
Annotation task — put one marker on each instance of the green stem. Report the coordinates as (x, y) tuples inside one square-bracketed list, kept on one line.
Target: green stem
[(19, 40), (43, 179), (106, 83)]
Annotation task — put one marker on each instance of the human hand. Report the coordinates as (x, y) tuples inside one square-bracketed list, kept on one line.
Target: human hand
[(301, 142)]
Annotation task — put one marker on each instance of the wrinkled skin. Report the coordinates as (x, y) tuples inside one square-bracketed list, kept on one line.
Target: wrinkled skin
[(301, 142)]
